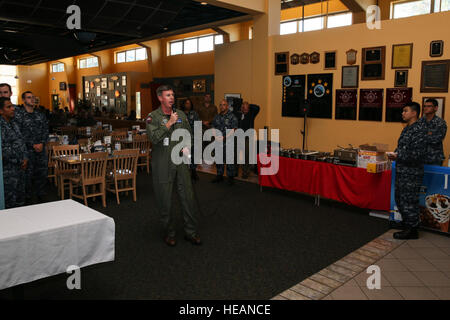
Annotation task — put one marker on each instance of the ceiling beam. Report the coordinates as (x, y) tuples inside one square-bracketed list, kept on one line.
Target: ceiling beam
[(251, 7)]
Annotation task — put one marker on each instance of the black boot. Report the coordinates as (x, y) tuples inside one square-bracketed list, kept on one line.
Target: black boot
[(217, 179), (408, 233)]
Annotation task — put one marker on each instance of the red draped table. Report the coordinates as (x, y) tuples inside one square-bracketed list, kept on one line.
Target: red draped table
[(354, 186)]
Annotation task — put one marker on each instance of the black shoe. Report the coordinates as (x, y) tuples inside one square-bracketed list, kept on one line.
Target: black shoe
[(409, 233), (194, 239), (230, 181), (170, 241), (397, 225), (217, 179)]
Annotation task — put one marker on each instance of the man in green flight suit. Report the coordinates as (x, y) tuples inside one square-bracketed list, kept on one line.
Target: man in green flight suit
[(161, 123)]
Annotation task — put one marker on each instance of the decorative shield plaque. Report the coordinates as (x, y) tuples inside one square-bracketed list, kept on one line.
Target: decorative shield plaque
[(351, 56), (314, 57), (295, 59), (304, 58)]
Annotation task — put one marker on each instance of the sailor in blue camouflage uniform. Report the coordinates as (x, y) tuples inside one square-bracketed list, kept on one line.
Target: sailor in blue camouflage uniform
[(410, 157), (192, 116), (34, 127), (14, 156), (225, 120), (436, 131)]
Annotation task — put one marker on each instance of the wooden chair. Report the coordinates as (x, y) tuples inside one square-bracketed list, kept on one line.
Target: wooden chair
[(118, 135), (93, 173), (51, 162), (143, 144), (123, 172), (70, 130), (98, 135), (65, 171)]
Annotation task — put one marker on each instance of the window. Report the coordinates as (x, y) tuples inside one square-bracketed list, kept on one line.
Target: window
[(88, 63), (8, 75), (194, 45), (312, 24), (317, 23), (138, 105), (58, 67), (121, 57), (218, 39), (176, 48), (206, 44), (190, 46), (288, 27), (131, 55), (141, 54), (441, 5), (339, 20), (410, 8)]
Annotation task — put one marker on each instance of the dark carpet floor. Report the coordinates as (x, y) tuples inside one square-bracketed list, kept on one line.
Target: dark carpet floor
[(256, 245)]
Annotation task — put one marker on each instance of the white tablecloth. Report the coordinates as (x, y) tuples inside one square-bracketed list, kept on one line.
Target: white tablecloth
[(43, 240)]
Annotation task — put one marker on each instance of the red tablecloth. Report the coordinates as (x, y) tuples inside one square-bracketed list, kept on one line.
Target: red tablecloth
[(354, 186)]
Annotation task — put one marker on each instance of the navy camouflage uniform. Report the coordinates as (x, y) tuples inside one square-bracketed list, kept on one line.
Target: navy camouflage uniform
[(192, 116), (411, 151), (222, 122), (34, 129), (437, 129), (13, 153)]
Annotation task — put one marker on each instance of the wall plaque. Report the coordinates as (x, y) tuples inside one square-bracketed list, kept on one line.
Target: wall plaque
[(370, 104), (346, 103), (396, 98), (434, 76), (373, 63)]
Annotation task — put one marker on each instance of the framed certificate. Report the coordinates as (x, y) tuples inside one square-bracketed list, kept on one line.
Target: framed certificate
[(402, 55), (350, 76), (434, 76)]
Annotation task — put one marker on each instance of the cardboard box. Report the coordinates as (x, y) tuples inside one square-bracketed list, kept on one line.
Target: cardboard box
[(376, 167), (371, 154)]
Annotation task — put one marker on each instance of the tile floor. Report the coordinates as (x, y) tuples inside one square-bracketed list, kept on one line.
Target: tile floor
[(410, 270)]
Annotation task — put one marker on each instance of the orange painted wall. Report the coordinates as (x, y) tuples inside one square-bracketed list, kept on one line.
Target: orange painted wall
[(326, 134), (313, 9), (45, 83), (38, 74)]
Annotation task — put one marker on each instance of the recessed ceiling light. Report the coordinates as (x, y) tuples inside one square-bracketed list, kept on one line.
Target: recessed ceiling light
[(203, 3)]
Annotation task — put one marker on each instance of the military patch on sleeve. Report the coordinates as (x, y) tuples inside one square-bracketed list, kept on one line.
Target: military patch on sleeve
[(148, 119)]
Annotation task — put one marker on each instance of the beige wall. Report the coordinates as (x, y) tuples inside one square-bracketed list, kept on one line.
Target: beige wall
[(38, 74), (236, 73), (326, 134)]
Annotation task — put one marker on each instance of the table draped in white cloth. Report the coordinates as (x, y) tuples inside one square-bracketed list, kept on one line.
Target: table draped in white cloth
[(44, 240)]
